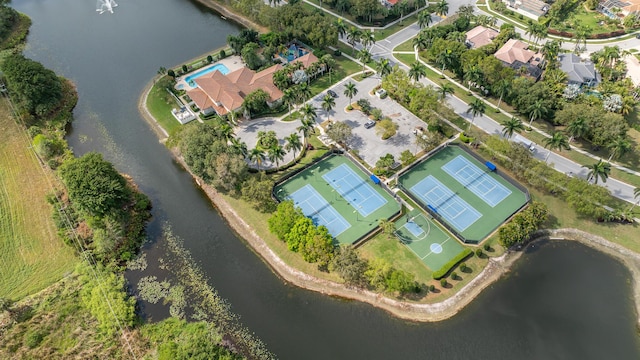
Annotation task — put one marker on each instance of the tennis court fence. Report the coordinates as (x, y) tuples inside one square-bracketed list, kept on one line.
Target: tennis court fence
[(437, 216)]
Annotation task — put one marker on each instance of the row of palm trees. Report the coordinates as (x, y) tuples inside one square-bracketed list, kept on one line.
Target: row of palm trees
[(559, 141)]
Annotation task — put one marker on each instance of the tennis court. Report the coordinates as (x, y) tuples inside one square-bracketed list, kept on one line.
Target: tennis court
[(318, 209), (449, 205), (476, 180), (470, 201), (425, 238), (331, 203), (355, 190)]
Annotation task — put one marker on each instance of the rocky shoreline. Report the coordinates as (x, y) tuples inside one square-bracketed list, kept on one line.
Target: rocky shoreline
[(401, 309)]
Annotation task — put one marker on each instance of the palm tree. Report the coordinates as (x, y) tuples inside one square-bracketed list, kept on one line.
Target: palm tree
[(240, 146), (293, 143), (445, 58), (424, 18), (367, 38), (417, 71), (536, 111), (577, 128), (353, 35), (307, 128), (424, 39), (341, 27), (350, 90), (329, 62), (383, 67), (276, 154), (308, 112), (502, 88), (364, 56), (558, 141), (511, 126), (304, 92), (444, 90), (256, 155), (289, 97), (476, 108), (442, 8), (402, 7), (328, 102), (618, 147), (473, 75), (225, 131), (636, 195), (599, 170)]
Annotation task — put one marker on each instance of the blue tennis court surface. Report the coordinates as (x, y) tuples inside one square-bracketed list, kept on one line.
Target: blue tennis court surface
[(477, 181), (354, 189), (414, 229), (314, 206), (450, 206)]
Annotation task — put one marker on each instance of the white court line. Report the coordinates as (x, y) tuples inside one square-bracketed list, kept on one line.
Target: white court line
[(441, 244)]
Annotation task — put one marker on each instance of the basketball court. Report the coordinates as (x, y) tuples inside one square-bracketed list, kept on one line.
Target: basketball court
[(430, 242)]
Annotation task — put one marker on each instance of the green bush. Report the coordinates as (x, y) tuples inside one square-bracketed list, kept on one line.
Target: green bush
[(32, 339), (454, 275), (337, 52), (463, 267), (443, 282), (479, 252), (487, 247), (443, 271), (432, 288), (223, 54)]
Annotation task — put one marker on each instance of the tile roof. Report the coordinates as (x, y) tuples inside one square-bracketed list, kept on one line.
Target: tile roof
[(227, 92), (481, 36), (514, 50)]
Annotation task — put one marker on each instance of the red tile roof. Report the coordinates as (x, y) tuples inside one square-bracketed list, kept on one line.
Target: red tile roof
[(226, 93)]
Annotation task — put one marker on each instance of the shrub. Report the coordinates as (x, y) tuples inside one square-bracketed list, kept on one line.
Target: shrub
[(479, 252), (337, 52), (454, 275), (432, 288), (171, 73), (32, 339), (487, 247), (223, 54), (184, 68), (443, 271), (209, 59), (443, 282), (463, 267)]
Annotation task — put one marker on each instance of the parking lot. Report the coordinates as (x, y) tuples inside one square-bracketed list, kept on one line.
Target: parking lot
[(365, 141)]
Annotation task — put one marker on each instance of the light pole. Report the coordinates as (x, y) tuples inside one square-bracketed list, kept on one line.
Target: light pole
[(356, 212)]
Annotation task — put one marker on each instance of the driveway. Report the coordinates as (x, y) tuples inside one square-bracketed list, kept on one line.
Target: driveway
[(247, 131), (369, 145)]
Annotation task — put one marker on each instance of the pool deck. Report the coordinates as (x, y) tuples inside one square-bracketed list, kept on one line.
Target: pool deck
[(233, 63)]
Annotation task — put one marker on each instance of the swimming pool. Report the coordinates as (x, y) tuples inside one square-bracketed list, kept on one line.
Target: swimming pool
[(220, 67)]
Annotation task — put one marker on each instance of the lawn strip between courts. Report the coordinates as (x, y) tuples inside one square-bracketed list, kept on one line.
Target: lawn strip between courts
[(363, 215)]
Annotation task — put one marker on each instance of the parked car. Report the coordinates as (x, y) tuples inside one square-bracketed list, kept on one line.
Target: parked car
[(332, 93), (369, 124)]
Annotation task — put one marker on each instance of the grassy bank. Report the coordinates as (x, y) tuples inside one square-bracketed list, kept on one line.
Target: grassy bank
[(31, 254), (160, 103)]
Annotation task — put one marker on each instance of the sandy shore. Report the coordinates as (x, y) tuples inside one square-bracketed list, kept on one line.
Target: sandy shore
[(405, 310)]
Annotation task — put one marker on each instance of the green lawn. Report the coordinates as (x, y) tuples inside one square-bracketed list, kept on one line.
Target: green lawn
[(343, 68), (405, 46), (31, 255), (160, 103)]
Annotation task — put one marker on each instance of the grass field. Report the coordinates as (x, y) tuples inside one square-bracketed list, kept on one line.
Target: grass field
[(473, 209), (349, 209), (160, 103), (31, 255)]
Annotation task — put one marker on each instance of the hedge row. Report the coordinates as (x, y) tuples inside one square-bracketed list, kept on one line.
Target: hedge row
[(591, 36), (453, 262)]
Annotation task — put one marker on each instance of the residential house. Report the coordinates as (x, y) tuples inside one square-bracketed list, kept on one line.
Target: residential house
[(389, 3), (226, 93), (480, 36), (532, 9), (579, 72), (622, 8), (516, 54)]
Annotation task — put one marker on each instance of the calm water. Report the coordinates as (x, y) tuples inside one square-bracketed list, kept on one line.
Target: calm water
[(563, 301)]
